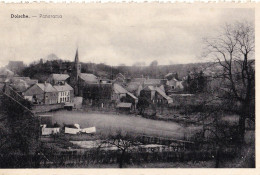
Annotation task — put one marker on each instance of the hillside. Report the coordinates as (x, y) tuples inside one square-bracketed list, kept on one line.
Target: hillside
[(42, 69)]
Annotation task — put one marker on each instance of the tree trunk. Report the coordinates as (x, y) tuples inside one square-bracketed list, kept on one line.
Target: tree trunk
[(121, 160), (217, 158), (242, 120), (242, 127)]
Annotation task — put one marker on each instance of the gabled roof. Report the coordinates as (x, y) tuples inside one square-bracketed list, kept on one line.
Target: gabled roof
[(120, 75), (90, 78), (133, 86), (162, 93), (46, 87), (131, 95), (64, 87), (149, 88), (60, 77), (119, 89)]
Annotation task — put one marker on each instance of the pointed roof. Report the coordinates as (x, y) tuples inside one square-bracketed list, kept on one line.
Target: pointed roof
[(162, 93), (46, 87), (119, 89), (77, 57)]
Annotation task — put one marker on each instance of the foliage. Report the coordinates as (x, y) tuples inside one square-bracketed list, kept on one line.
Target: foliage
[(196, 83), (19, 132), (142, 104)]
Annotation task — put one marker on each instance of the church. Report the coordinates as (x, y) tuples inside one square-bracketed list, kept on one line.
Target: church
[(94, 91)]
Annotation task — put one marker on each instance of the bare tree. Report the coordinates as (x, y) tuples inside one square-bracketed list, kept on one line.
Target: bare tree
[(233, 51), (123, 141)]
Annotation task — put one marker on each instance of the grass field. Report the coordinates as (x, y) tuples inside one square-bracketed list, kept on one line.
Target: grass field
[(106, 123)]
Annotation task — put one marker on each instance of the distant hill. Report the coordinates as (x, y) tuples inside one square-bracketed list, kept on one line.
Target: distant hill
[(53, 64)]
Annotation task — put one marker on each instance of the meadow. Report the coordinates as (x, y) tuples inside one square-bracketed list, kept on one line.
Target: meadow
[(109, 123)]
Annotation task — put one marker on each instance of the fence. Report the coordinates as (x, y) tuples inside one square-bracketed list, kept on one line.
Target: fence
[(179, 144), (112, 157)]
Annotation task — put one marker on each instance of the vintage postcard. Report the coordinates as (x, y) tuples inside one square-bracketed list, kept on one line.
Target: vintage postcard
[(94, 88)]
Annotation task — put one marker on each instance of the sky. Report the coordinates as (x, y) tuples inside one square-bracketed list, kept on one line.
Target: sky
[(113, 34)]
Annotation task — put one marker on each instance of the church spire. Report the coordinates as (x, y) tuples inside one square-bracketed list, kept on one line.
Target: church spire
[(75, 74), (77, 65), (77, 58)]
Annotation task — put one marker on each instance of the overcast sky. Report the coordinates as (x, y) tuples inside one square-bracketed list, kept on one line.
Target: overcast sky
[(113, 34)]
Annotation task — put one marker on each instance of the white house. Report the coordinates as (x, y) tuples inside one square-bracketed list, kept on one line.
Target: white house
[(65, 93)]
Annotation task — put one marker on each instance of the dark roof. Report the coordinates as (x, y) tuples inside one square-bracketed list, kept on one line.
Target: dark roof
[(90, 78)]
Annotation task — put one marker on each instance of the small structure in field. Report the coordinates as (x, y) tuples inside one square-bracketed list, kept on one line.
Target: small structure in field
[(75, 129), (46, 131), (72, 129), (90, 130)]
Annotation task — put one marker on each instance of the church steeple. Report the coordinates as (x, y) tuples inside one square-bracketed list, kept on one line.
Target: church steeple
[(75, 73), (77, 65)]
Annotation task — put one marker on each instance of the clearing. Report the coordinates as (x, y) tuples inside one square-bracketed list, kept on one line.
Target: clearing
[(106, 123)]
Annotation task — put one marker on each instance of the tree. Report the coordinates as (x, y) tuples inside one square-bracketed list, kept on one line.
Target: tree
[(142, 104), (123, 141), (153, 69), (233, 51), (19, 133), (196, 82)]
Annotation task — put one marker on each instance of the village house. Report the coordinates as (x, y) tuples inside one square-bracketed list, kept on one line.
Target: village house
[(65, 91), (120, 79), (42, 93), (121, 95), (155, 95)]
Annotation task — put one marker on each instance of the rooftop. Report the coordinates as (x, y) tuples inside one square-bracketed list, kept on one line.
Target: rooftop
[(64, 87), (46, 87), (91, 78)]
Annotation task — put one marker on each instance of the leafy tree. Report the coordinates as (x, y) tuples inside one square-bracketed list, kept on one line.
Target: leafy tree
[(19, 130), (142, 104)]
